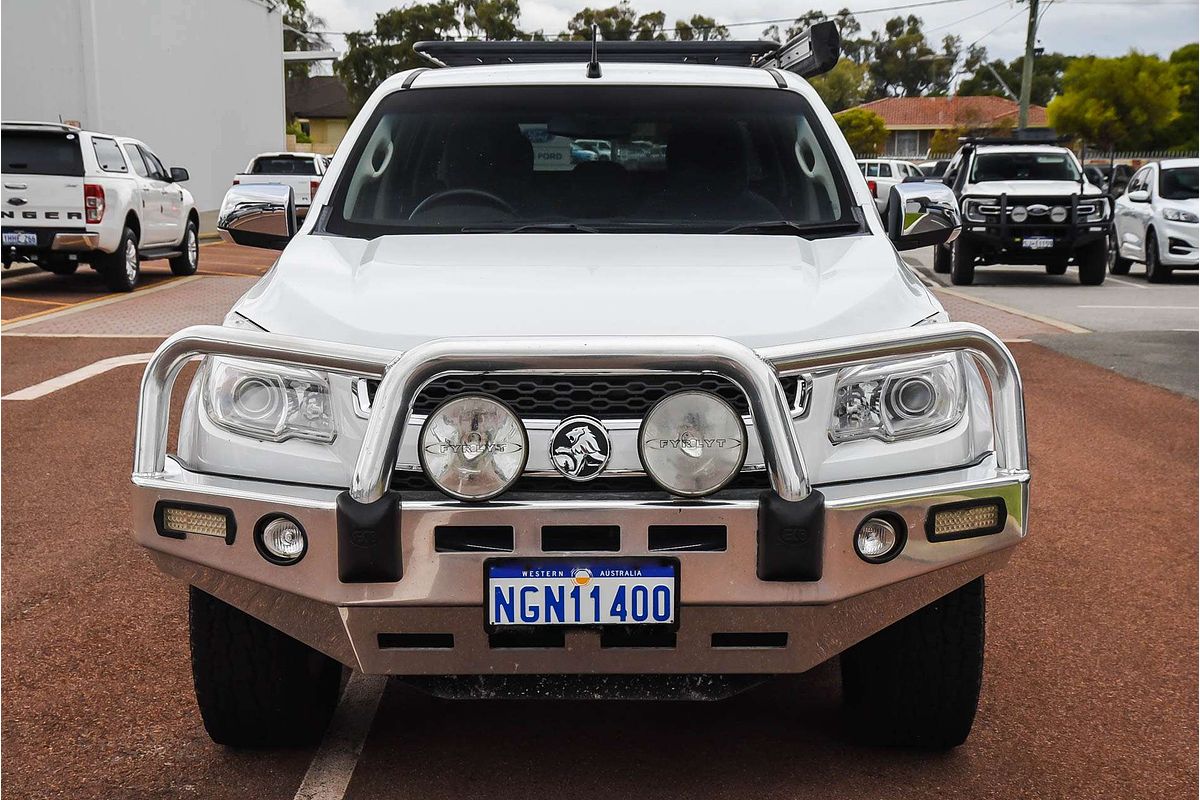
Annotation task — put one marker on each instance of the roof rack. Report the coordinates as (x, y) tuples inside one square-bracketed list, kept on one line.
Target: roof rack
[(810, 53), (56, 126), (1029, 137)]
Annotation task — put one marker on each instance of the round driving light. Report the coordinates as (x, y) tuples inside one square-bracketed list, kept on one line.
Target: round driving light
[(257, 399), (878, 539), (1058, 214), (692, 443), (473, 447), (1019, 213), (912, 397), (280, 539)]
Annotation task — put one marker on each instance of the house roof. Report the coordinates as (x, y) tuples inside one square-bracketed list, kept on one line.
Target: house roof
[(951, 112), (317, 96)]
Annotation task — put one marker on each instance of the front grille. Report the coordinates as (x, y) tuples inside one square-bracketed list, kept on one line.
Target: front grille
[(618, 484), (603, 396)]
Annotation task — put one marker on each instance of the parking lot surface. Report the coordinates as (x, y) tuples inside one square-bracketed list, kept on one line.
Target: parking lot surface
[(1089, 686)]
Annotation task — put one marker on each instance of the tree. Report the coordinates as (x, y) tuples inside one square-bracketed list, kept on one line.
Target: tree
[(865, 131), (301, 32), (1127, 102), (848, 28), (843, 86), (902, 63), (1048, 70), (1185, 64), (493, 20), (700, 27), (617, 23)]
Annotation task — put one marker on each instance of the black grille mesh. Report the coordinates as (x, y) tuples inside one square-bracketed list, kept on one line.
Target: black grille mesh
[(560, 396)]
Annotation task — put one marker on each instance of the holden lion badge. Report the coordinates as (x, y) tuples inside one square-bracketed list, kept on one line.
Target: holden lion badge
[(580, 448)]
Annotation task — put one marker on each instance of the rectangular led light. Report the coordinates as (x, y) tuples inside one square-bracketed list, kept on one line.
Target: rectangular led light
[(962, 520), (176, 521)]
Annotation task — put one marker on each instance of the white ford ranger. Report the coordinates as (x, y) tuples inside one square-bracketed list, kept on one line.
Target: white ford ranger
[(501, 430), (301, 171), (73, 197)]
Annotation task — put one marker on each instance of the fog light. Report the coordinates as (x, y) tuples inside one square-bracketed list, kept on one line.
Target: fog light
[(879, 539), (962, 520), (473, 447), (1019, 213), (692, 443), (1058, 214), (281, 540), (176, 521)]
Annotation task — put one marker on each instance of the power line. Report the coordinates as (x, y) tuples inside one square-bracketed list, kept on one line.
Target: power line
[(964, 19)]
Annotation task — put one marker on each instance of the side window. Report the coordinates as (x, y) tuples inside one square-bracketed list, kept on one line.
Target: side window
[(155, 166), (862, 167), (885, 170), (872, 170), (108, 154), (135, 159)]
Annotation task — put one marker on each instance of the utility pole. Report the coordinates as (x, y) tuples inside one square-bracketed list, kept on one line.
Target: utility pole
[(1027, 67)]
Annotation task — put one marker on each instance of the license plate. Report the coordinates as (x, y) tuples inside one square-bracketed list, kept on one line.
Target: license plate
[(585, 591), (19, 239), (1038, 242)]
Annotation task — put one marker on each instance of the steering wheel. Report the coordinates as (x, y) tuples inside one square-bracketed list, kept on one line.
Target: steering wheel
[(448, 195)]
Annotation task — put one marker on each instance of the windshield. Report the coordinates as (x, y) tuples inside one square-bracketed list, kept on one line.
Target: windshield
[(283, 165), (587, 159), (1178, 183), (41, 153), (1024, 167)]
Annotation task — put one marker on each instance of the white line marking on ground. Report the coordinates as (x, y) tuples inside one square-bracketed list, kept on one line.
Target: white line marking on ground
[(90, 304), (1056, 323), (1016, 341), (329, 774), (75, 376), (1128, 283), (1151, 308)]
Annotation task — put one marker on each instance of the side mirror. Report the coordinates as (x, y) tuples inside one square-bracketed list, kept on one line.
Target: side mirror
[(179, 174), (1140, 196), (258, 215), (922, 214)]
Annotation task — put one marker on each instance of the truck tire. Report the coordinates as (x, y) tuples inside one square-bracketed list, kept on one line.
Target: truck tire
[(60, 266), (188, 259), (962, 263), (1116, 264), (1093, 262), (1155, 271), (916, 683), (122, 267), (941, 260), (1057, 267), (257, 686)]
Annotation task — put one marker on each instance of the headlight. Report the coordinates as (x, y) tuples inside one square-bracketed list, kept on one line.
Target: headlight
[(898, 399), (972, 210), (473, 447), (1058, 214), (1019, 213), (1179, 215), (268, 401), (692, 443)]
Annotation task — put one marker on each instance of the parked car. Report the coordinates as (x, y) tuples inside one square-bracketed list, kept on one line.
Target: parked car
[(934, 169), (884, 173), (76, 197), (1155, 221), (666, 436), (1025, 204), (301, 171)]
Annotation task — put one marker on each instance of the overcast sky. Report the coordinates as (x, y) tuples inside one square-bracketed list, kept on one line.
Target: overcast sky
[(1076, 27)]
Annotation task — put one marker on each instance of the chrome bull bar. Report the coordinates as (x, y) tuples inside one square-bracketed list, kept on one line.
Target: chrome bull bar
[(757, 373)]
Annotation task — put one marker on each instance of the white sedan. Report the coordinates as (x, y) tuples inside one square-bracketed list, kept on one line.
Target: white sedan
[(1157, 220)]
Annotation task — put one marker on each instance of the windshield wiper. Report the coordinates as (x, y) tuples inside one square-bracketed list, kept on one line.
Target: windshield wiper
[(535, 227), (795, 228)]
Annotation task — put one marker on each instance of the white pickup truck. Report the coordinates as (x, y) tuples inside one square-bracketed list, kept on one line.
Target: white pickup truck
[(301, 171), (73, 196)]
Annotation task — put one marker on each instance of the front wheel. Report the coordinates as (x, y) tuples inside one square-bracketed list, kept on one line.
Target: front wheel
[(1156, 272), (962, 263), (916, 683), (257, 686), (941, 260), (1058, 267), (1093, 262), (188, 259), (1116, 264)]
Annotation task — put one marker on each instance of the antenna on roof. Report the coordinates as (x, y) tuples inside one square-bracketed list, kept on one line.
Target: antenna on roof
[(593, 67)]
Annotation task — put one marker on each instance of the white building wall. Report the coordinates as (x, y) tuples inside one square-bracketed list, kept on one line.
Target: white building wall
[(200, 81)]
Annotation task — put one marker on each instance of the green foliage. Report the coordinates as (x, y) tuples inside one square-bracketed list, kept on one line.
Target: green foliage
[(1048, 70), (902, 62), (700, 27), (1127, 102), (297, 17), (1185, 66), (294, 129), (617, 23), (843, 86), (865, 131)]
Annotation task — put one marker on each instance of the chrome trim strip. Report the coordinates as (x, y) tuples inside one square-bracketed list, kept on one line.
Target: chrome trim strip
[(757, 373), (75, 241)]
